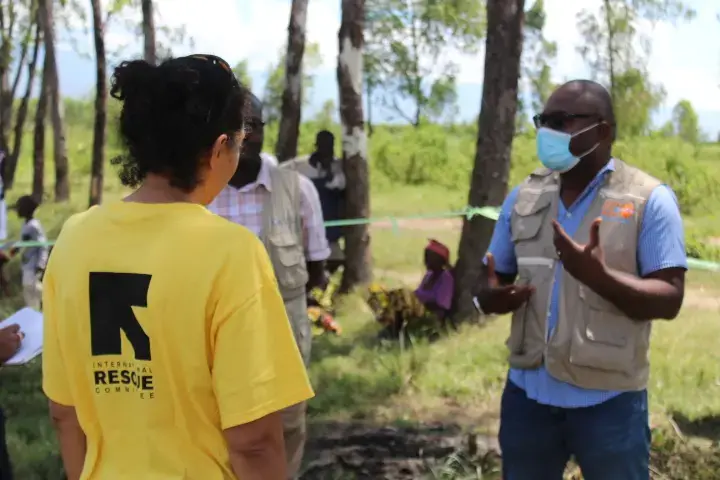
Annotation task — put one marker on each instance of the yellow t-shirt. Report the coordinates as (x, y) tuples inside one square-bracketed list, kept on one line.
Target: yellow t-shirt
[(164, 326)]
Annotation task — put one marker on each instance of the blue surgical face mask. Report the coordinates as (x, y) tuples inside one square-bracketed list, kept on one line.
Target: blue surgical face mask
[(553, 149)]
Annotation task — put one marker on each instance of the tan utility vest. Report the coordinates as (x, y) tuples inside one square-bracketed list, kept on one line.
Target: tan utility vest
[(282, 232), (594, 345)]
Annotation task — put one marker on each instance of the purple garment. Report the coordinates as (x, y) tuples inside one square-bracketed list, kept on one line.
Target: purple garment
[(441, 293)]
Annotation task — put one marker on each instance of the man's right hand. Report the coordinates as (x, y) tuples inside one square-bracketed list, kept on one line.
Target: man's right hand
[(501, 299), (10, 339)]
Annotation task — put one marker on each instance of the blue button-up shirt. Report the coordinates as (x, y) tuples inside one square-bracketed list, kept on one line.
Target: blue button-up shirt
[(661, 245)]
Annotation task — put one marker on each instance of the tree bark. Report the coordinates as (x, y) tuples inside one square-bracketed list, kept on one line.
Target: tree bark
[(289, 130), (7, 49), (369, 111), (358, 267), (610, 48), (24, 48), (496, 129), (11, 166), (62, 170), (148, 26), (98, 151), (38, 183)]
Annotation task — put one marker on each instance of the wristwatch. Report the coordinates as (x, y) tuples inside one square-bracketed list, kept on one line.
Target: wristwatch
[(479, 309)]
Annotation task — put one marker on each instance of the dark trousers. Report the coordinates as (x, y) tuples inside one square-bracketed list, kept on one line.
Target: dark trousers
[(5, 467), (610, 441)]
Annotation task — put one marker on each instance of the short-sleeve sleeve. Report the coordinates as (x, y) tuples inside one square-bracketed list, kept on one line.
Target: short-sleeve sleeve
[(257, 368), (314, 235), (661, 241), (54, 376), (501, 245)]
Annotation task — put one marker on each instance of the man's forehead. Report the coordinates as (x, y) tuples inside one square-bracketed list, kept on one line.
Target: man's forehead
[(572, 99)]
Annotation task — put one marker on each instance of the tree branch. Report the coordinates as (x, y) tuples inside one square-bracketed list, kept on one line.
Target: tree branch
[(400, 111)]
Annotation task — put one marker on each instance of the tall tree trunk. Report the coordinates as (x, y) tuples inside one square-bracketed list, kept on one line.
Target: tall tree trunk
[(62, 170), (358, 267), (38, 184), (496, 129), (370, 88), (289, 130), (21, 62), (610, 48), (98, 151), (149, 32), (7, 49), (22, 112)]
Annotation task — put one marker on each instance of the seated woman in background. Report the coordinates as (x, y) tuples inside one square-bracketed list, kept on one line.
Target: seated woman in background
[(424, 310)]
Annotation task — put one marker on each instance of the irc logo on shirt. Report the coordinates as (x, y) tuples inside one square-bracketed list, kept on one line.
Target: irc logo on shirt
[(615, 210), (112, 298)]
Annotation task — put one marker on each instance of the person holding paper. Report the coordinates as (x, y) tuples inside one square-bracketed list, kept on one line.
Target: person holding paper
[(168, 353), (10, 340)]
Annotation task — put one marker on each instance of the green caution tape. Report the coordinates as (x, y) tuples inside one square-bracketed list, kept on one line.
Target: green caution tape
[(696, 263), (491, 213), (470, 212)]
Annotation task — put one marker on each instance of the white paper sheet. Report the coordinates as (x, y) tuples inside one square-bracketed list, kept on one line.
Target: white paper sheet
[(31, 324)]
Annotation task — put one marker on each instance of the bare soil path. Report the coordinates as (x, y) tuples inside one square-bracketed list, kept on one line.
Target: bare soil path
[(362, 451)]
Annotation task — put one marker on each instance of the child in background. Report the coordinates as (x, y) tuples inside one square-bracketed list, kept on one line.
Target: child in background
[(34, 259)]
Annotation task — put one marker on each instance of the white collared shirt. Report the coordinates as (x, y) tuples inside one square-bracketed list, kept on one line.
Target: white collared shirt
[(245, 207)]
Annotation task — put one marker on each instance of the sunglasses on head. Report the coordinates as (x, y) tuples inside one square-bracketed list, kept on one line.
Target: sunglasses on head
[(558, 120), (220, 63)]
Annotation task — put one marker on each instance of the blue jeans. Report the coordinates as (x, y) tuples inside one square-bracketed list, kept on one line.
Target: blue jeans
[(610, 441)]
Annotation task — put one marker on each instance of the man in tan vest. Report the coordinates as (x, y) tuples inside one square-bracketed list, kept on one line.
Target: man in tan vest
[(283, 208), (587, 252)]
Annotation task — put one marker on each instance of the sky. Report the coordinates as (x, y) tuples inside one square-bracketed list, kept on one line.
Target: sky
[(685, 57)]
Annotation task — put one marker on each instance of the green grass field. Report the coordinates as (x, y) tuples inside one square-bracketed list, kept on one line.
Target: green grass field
[(455, 380)]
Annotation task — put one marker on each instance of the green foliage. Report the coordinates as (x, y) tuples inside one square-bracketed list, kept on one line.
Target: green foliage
[(538, 52), (407, 45), (325, 117), (272, 97), (635, 99), (610, 44), (685, 122), (243, 75)]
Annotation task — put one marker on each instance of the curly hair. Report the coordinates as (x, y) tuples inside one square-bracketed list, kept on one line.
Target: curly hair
[(171, 116)]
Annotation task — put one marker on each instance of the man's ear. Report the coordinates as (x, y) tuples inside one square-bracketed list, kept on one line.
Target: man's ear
[(606, 132)]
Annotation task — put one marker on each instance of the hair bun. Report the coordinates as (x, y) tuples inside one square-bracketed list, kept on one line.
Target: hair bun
[(133, 79)]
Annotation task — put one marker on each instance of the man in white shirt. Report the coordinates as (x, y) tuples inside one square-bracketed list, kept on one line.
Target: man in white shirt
[(326, 172), (283, 209)]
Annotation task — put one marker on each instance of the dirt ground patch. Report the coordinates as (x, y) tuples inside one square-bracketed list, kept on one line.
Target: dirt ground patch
[(701, 299), (361, 451)]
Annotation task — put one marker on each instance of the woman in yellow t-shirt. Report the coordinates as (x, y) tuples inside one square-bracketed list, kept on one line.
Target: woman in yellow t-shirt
[(168, 353)]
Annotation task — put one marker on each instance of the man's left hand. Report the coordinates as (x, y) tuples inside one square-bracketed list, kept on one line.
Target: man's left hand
[(581, 261)]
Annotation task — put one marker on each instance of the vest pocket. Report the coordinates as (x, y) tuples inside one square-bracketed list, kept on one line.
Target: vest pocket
[(530, 211), (289, 260), (525, 343), (604, 337)]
